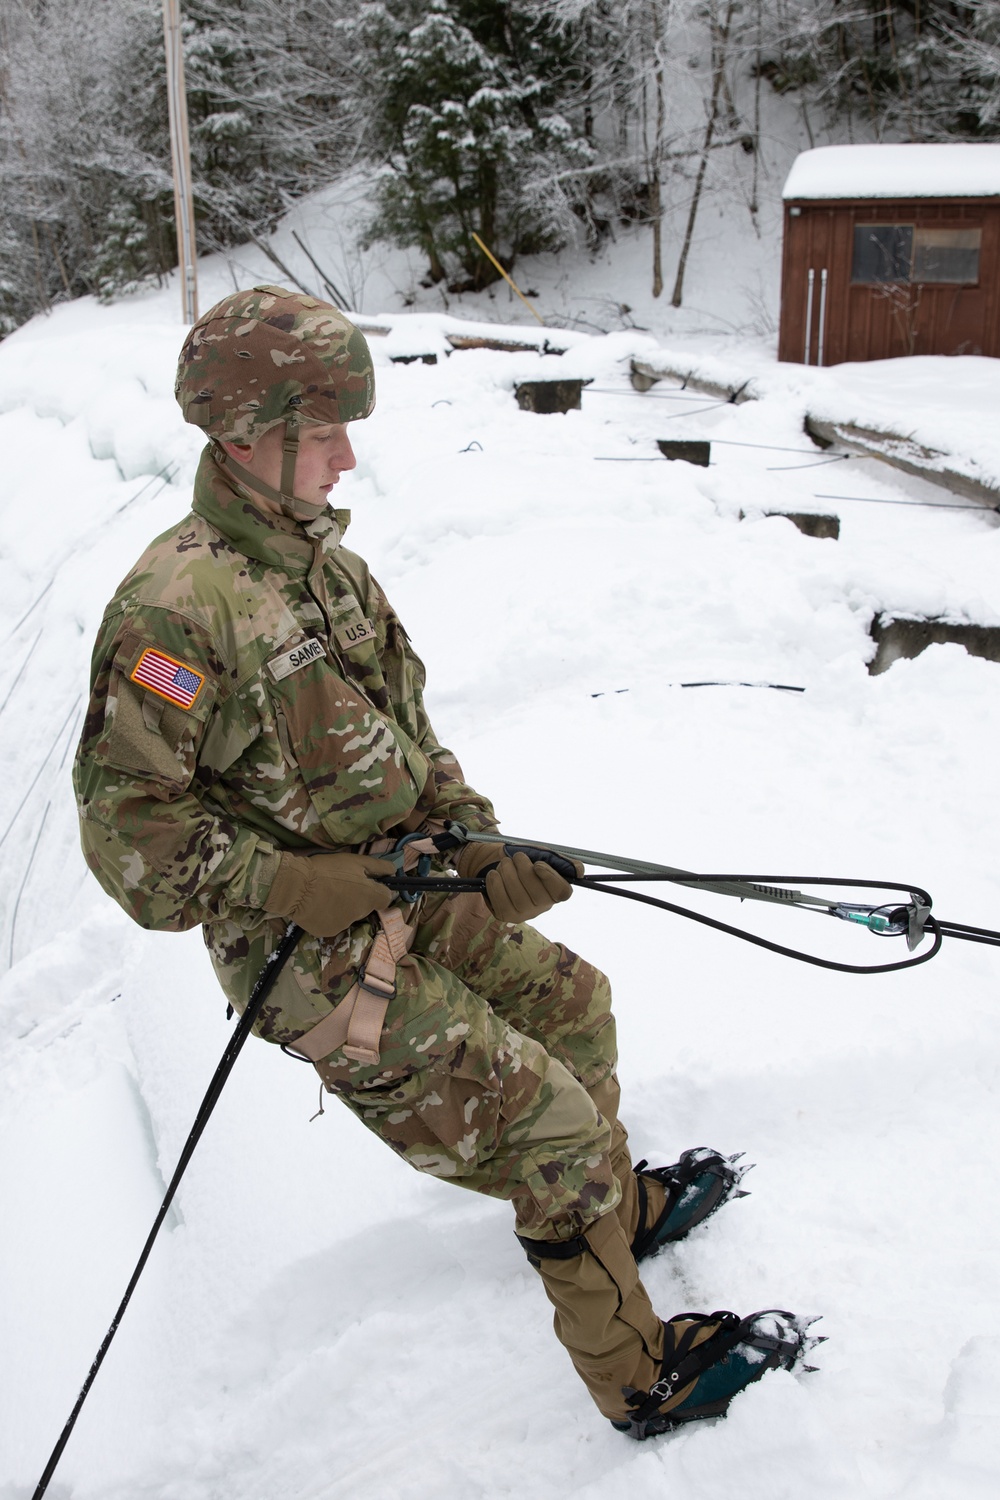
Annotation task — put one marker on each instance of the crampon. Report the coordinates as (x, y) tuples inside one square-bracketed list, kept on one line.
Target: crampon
[(696, 1185), (708, 1359)]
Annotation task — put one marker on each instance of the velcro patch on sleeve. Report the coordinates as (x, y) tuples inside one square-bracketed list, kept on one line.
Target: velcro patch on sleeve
[(170, 678), (299, 656), (355, 634)]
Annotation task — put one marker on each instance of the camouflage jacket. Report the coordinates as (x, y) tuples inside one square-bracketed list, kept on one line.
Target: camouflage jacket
[(252, 691)]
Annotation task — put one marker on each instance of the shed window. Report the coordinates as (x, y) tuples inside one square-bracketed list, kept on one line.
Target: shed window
[(882, 252), (903, 252), (946, 255)]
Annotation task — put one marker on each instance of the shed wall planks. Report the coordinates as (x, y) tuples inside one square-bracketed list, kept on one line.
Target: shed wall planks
[(866, 321)]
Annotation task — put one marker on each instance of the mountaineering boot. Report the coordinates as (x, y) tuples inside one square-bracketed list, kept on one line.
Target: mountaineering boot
[(672, 1200), (662, 1204), (708, 1359)]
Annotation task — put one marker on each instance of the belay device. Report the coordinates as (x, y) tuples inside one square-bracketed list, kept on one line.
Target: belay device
[(911, 919)]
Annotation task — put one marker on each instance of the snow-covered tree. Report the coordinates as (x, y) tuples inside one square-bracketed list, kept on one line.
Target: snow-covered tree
[(910, 69), (80, 192), (86, 197), (466, 115)]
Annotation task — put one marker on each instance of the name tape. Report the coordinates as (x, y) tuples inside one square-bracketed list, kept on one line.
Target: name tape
[(293, 661)]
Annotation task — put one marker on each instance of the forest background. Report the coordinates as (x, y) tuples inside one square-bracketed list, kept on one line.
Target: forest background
[(532, 123)]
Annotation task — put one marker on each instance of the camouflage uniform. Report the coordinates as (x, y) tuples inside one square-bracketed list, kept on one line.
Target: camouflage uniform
[(295, 721)]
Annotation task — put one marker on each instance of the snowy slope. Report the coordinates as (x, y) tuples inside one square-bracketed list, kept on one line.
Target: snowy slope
[(317, 1320)]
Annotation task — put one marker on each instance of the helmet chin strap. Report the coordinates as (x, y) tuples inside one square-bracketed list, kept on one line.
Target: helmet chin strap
[(289, 504)]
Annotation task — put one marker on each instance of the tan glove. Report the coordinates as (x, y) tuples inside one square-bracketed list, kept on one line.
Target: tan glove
[(519, 888), (326, 893)]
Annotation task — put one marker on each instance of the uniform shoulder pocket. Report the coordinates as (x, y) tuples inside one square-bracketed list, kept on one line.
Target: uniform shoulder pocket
[(158, 705)]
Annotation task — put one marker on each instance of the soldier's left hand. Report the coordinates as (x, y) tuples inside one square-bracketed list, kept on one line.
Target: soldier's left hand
[(518, 888)]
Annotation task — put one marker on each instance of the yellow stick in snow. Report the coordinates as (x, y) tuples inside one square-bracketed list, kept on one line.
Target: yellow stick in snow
[(509, 280)]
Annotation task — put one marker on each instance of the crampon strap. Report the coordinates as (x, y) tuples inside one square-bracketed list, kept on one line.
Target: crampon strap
[(686, 1363)]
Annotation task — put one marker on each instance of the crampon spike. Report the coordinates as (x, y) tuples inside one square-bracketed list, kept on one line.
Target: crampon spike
[(808, 1341)]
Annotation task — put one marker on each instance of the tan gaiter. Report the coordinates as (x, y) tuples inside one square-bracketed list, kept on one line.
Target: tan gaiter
[(607, 1097), (603, 1317)]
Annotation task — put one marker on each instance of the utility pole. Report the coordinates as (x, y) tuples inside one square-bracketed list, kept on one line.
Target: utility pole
[(180, 152)]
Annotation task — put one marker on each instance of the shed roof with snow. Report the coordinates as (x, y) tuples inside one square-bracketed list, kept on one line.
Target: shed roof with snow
[(891, 250), (953, 170)]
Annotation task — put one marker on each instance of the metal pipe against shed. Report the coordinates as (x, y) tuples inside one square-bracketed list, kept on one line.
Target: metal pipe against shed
[(822, 316), (809, 315)]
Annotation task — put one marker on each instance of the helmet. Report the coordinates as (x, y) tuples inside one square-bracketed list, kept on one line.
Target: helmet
[(270, 356)]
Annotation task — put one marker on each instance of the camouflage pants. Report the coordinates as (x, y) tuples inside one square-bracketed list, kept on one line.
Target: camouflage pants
[(496, 1073), (492, 1033)]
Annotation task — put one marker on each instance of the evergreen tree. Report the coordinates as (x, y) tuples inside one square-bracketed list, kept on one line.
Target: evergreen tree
[(466, 114)]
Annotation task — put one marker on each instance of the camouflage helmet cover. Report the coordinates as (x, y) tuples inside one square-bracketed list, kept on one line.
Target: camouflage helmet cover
[(269, 355)]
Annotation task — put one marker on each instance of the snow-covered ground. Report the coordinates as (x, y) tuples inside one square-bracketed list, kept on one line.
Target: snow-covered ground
[(318, 1321)]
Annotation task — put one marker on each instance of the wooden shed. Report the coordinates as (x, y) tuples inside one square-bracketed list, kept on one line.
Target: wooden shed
[(891, 250)]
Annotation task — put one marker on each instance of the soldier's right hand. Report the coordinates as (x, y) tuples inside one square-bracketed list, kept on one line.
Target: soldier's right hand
[(326, 893)]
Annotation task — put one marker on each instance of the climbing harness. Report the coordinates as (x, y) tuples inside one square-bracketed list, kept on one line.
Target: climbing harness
[(354, 1026)]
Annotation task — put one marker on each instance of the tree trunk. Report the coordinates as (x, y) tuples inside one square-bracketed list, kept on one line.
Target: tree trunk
[(43, 301), (720, 43), (656, 214), (754, 205), (655, 176)]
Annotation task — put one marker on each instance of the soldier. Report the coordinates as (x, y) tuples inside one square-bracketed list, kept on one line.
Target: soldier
[(256, 743)]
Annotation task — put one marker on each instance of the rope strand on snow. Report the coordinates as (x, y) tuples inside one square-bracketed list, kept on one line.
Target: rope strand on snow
[(24, 882), (938, 504), (15, 628), (163, 474), (817, 463), (20, 671), (675, 393), (41, 768)]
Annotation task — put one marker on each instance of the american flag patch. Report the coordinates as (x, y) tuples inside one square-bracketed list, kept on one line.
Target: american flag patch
[(170, 678)]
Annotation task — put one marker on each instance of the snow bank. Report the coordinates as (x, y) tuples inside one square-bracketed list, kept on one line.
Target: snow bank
[(317, 1320), (943, 404)]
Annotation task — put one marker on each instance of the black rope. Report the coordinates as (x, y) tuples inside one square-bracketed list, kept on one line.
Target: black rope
[(682, 877), (970, 934), (265, 983), (759, 942), (610, 885)]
